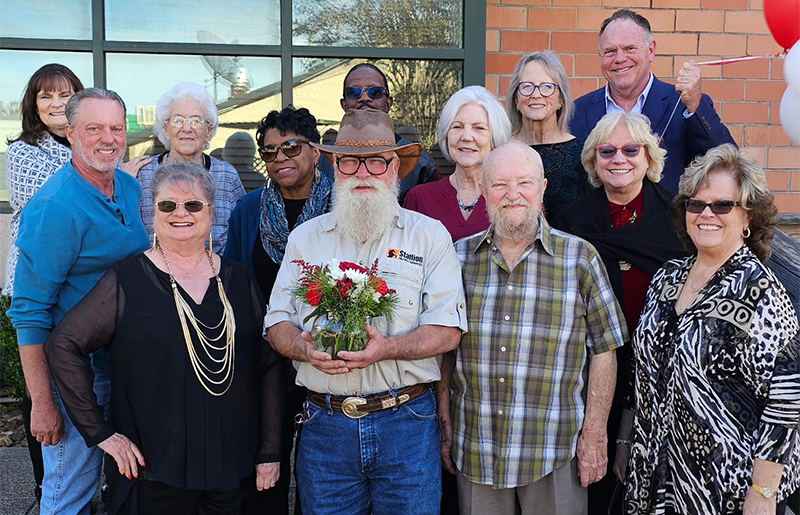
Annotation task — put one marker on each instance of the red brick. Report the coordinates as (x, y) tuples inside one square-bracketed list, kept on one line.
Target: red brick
[(774, 113), (491, 84), (626, 3), (582, 86), (662, 66), (591, 19), (501, 63), (690, 4), (757, 153), (492, 40), (725, 44), (699, 21), (668, 43), (782, 158), (552, 19), (760, 45), (529, 2), (787, 202), (765, 136), (577, 3), (795, 186), (661, 20), (746, 22), (568, 61), (747, 70), (737, 133), (724, 89), (777, 180), (766, 91), (506, 17), (587, 65), (574, 42), (757, 5), (739, 112), (723, 4), (523, 41), (505, 81)]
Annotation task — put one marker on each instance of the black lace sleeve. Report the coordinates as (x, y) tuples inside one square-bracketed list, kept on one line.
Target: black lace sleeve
[(87, 327), (271, 387)]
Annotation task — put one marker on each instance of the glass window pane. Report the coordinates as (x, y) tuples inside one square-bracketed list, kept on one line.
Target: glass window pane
[(387, 23), (242, 100), (250, 22), (18, 66), (46, 19), (419, 89)]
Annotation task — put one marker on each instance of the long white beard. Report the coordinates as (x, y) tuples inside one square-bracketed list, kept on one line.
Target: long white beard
[(364, 216), (514, 228)]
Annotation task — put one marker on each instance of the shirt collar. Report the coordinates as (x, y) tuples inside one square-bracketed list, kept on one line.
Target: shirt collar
[(612, 107), (544, 236)]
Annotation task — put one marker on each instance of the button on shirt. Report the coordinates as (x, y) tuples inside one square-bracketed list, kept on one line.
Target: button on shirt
[(416, 258), (522, 367)]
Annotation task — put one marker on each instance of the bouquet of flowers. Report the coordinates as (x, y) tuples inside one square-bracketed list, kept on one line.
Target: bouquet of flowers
[(344, 295)]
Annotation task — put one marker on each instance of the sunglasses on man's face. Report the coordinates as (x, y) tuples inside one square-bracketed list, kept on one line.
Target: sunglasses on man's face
[(720, 207), (192, 206), (290, 148), (373, 92), (609, 151)]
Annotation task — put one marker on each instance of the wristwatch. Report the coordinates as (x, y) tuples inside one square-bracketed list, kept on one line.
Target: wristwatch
[(766, 491)]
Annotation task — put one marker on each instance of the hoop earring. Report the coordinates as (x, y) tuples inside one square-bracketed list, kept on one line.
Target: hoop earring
[(746, 233), (155, 241)]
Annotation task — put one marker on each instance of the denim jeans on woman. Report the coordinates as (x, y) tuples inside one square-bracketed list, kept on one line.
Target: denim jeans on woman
[(72, 470), (387, 462)]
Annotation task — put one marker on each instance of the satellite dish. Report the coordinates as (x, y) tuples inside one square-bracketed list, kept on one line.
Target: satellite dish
[(224, 68)]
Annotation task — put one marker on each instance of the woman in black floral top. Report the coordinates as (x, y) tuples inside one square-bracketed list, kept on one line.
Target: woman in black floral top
[(717, 382)]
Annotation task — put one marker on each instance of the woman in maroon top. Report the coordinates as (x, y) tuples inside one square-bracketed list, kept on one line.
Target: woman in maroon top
[(473, 122), (627, 218)]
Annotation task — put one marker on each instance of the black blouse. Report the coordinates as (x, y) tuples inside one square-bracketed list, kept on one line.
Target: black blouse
[(189, 438)]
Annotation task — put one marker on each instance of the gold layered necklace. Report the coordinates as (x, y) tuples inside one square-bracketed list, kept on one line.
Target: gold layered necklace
[(205, 375)]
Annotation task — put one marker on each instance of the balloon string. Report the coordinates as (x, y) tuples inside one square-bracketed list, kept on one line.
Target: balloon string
[(781, 55)]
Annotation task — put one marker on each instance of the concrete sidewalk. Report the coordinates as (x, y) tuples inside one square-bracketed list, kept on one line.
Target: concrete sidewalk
[(16, 482)]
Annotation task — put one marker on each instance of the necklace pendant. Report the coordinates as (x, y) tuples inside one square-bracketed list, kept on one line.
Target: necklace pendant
[(625, 266)]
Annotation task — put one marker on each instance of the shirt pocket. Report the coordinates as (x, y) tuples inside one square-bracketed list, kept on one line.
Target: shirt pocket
[(407, 281)]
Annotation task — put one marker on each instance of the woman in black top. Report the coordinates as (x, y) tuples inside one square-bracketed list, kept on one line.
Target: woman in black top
[(257, 232), (196, 398)]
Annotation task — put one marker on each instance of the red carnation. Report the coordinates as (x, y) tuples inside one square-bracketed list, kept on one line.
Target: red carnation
[(381, 287), (314, 295), (344, 266)]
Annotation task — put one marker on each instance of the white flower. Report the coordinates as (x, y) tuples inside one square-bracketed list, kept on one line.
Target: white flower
[(357, 277), (333, 269)]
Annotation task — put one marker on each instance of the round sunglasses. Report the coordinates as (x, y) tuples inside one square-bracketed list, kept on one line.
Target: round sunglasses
[(719, 207), (192, 206), (609, 151), (290, 148)]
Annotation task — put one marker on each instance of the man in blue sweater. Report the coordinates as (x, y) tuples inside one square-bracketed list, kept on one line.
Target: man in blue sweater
[(683, 116), (80, 222)]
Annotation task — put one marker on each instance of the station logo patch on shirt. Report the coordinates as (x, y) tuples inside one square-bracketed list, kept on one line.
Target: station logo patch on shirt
[(402, 255)]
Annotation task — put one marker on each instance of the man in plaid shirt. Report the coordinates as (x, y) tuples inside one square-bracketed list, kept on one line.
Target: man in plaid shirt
[(534, 375)]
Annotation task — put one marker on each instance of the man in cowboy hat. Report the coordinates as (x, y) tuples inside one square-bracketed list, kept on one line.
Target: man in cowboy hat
[(370, 431)]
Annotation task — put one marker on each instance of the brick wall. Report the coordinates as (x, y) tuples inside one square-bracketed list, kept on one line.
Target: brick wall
[(747, 95)]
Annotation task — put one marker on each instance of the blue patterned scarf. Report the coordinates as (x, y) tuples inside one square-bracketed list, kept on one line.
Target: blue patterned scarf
[(275, 227)]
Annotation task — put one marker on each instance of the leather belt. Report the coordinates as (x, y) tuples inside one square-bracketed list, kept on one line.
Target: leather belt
[(358, 407)]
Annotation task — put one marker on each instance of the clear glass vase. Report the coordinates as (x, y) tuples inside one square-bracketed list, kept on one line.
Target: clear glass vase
[(329, 336)]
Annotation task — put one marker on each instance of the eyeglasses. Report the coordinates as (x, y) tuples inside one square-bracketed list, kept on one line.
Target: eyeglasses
[(720, 207), (374, 92), (192, 206), (546, 89), (290, 148), (376, 165), (195, 122), (609, 151)]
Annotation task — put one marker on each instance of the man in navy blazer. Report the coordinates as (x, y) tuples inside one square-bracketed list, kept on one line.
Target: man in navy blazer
[(627, 49)]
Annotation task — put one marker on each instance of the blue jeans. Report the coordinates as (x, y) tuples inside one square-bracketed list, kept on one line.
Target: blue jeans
[(387, 462), (72, 470)]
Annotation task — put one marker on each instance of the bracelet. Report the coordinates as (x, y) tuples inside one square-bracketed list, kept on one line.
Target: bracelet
[(622, 441)]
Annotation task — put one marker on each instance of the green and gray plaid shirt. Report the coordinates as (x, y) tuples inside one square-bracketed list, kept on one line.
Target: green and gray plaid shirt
[(522, 367)]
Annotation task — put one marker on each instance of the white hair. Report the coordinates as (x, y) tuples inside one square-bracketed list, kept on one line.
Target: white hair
[(499, 126), (180, 91)]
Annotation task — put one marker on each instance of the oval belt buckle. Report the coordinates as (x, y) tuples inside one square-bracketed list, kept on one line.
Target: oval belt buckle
[(350, 407)]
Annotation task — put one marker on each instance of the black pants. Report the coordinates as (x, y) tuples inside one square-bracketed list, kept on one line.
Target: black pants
[(275, 501), (156, 498), (34, 447)]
